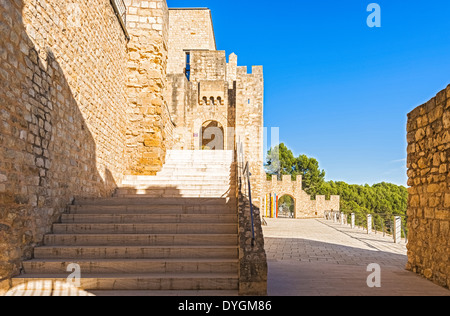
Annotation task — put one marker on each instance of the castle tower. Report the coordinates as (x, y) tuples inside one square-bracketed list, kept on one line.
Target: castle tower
[(212, 101)]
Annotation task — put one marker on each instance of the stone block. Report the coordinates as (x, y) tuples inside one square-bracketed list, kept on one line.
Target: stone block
[(429, 201)]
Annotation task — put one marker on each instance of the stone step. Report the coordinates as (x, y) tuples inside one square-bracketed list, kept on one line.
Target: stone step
[(212, 251), (178, 153), (200, 160), (218, 163), (171, 209), (200, 155), (176, 176), (186, 188), (195, 171), (188, 172), (149, 281), (212, 179), (178, 195), (176, 232), (208, 174), (153, 201), (179, 180), (132, 266), (161, 228), (225, 165), (163, 182), (173, 192), (141, 239), (197, 178), (152, 218)]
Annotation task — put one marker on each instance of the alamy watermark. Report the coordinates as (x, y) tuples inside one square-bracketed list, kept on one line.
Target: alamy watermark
[(374, 18), (74, 278), (374, 278)]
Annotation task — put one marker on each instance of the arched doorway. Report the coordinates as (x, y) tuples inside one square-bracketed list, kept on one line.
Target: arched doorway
[(212, 136), (286, 207)]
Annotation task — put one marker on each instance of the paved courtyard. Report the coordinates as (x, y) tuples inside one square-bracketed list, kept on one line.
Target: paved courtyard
[(319, 257)]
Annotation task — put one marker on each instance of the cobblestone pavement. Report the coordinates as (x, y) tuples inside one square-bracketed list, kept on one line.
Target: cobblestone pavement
[(319, 257)]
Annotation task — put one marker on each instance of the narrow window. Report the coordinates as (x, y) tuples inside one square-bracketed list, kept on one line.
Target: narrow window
[(188, 66)]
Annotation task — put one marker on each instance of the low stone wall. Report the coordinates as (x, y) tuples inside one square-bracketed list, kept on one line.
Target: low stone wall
[(429, 193), (253, 267)]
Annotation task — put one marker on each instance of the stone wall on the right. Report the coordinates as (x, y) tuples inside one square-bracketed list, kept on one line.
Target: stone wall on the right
[(429, 193)]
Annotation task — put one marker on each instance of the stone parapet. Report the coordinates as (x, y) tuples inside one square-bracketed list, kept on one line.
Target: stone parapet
[(253, 267)]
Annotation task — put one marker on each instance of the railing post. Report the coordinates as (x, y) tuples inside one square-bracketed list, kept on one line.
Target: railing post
[(353, 220), (397, 229), (369, 224)]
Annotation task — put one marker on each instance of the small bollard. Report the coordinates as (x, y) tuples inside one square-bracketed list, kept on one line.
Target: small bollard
[(397, 229), (334, 217), (342, 218), (353, 220), (369, 224)]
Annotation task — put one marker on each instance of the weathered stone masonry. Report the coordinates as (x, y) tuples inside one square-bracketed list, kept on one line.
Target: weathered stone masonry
[(216, 91), (429, 192), (70, 108), (150, 129), (84, 103)]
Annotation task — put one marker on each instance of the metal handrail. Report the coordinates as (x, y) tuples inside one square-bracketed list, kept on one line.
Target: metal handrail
[(120, 9), (245, 174)]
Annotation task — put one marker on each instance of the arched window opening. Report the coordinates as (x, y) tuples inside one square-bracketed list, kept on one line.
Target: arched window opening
[(212, 136)]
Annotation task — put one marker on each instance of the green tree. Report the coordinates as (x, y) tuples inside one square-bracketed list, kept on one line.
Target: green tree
[(381, 199), (281, 161), (313, 177)]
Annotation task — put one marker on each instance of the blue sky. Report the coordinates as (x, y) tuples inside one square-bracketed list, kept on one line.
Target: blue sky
[(339, 90)]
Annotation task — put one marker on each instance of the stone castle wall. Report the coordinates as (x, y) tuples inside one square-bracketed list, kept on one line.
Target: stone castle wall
[(250, 121), (62, 114), (84, 102), (429, 193), (304, 206), (238, 96)]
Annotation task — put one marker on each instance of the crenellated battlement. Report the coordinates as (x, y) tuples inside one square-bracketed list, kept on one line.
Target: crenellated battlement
[(305, 206)]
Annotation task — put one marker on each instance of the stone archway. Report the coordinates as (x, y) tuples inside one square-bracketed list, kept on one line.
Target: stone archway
[(212, 136), (287, 206)]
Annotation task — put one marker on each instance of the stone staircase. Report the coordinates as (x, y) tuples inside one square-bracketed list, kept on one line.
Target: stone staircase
[(197, 174), (175, 233)]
